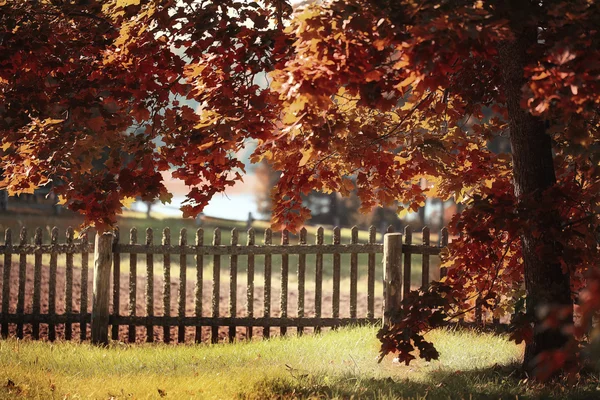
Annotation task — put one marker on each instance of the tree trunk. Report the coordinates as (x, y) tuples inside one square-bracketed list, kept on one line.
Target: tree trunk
[(442, 214), (546, 283), (334, 211)]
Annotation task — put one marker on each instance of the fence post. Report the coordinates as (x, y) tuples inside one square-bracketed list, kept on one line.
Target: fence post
[(101, 290), (392, 274)]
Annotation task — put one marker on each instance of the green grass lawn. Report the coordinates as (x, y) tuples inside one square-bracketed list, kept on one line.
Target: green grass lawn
[(338, 364)]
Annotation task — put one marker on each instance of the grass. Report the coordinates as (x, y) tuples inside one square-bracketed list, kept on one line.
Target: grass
[(338, 364)]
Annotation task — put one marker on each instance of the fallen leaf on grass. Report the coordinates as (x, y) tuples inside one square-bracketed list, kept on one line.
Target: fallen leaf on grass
[(13, 388)]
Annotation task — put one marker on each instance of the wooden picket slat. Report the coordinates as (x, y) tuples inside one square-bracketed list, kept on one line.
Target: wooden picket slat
[(149, 286), (336, 276), (132, 285), (22, 280), (166, 241), (83, 300), (267, 288), (353, 274), (392, 277), (233, 270), (37, 282), (182, 285), (318, 278), (6, 282), (285, 240), (301, 280), (52, 285), (443, 243), (407, 262), (69, 284), (116, 299), (250, 281), (100, 317), (199, 282), (214, 337), (371, 275), (425, 263)]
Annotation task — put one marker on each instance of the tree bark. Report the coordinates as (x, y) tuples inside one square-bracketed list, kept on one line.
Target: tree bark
[(547, 285), (334, 209)]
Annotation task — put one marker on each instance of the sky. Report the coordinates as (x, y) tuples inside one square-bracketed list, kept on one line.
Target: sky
[(234, 204)]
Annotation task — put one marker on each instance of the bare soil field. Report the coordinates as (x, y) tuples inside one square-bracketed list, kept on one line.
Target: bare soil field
[(190, 301)]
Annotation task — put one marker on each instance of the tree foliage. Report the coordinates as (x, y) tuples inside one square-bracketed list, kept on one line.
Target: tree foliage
[(365, 96)]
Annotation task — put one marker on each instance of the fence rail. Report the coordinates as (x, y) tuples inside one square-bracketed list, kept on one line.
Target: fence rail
[(131, 311)]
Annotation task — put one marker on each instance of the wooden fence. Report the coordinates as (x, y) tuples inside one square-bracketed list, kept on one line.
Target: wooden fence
[(22, 315)]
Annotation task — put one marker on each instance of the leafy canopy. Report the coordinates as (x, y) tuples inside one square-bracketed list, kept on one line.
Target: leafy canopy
[(101, 98)]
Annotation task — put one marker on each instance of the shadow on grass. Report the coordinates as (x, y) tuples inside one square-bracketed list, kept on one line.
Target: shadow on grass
[(498, 382)]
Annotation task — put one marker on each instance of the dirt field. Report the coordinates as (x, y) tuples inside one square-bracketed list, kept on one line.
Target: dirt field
[(158, 303)]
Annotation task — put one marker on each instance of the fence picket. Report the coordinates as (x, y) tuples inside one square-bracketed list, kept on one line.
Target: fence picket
[(6, 281), (392, 275), (371, 275), (149, 287), (69, 284), (301, 280), (22, 277), (285, 240), (444, 243), (83, 310), (233, 271), (425, 262), (199, 283), (52, 285), (103, 255), (250, 281), (336, 276), (407, 262), (182, 285), (318, 278), (166, 241), (267, 288), (353, 274), (132, 285), (116, 300), (37, 282), (478, 312), (214, 338)]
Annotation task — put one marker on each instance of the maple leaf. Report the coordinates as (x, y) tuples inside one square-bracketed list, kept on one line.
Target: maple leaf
[(127, 201), (126, 3)]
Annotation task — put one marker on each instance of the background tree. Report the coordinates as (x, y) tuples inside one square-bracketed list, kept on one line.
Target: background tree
[(365, 96), (267, 179), (326, 208)]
